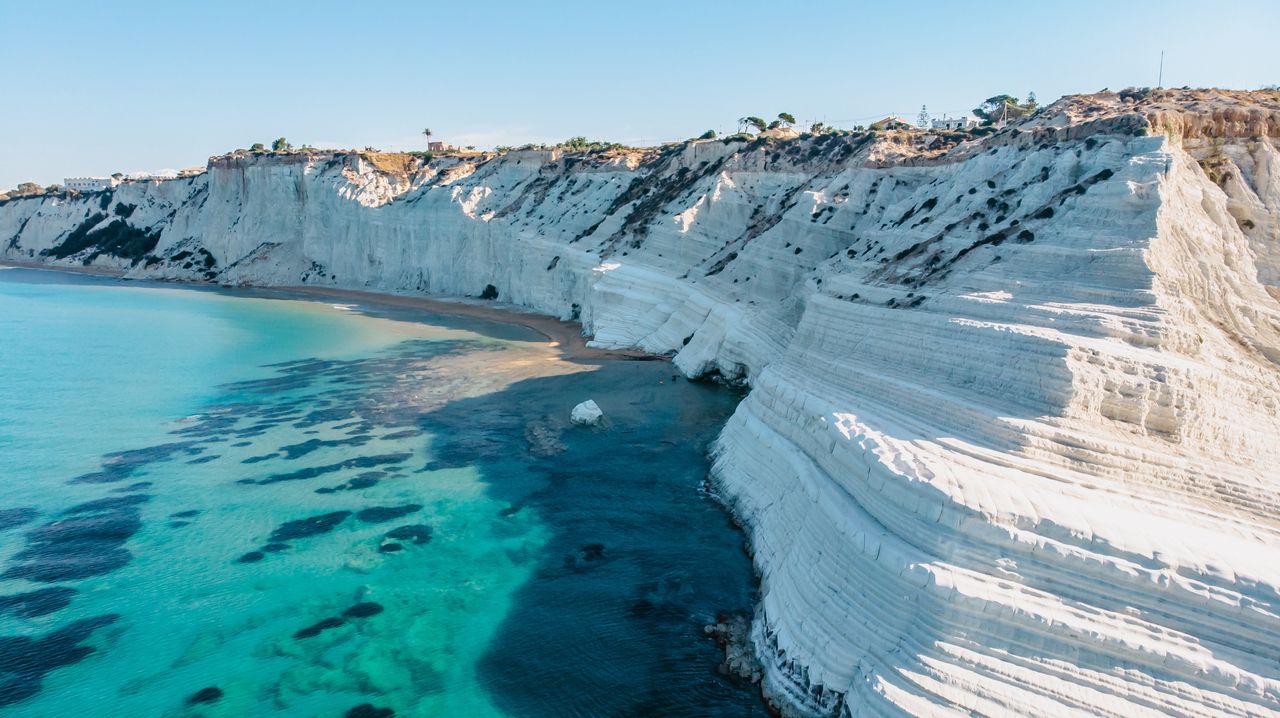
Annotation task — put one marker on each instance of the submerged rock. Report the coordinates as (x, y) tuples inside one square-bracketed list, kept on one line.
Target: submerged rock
[(39, 602), (417, 533), (16, 517), (379, 514), (310, 526), (87, 541), (733, 634), (317, 628), (364, 609), (543, 437), (24, 660), (205, 695), (587, 413), (369, 710)]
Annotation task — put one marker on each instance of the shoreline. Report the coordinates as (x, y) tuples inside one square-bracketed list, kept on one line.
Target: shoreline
[(92, 271), (565, 336)]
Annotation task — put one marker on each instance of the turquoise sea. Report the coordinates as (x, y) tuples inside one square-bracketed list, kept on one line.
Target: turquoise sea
[(231, 504)]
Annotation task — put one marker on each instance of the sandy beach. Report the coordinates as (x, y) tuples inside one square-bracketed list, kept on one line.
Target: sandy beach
[(563, 335)]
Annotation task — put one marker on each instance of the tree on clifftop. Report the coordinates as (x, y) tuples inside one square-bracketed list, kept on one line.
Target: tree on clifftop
[(280, 145), (787, 118), (257, 147), (427, 134), (1003, 107), (755, 122)]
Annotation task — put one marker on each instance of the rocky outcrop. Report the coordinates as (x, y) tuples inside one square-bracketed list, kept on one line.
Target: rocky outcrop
[(587, 413), (1011, 444)]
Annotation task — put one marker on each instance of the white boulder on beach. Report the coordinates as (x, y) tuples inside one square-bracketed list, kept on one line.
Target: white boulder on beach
[(587, 414)]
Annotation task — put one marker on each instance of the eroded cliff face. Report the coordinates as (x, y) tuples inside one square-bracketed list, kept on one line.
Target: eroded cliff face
[(1011, 444)]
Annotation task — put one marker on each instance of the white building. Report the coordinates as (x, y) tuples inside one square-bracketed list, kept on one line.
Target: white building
[(954, 123), (90, 184)]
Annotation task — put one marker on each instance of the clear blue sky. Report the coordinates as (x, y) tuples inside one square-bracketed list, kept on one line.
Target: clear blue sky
[(93, 87)]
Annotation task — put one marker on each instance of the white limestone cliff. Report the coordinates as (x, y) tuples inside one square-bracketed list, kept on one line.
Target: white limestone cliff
[(1012, 442)]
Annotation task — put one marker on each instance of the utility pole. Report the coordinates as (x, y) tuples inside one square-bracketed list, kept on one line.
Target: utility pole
[(1160, 81)]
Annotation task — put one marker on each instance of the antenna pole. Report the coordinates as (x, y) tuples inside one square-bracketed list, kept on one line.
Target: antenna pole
[(1160, 82)]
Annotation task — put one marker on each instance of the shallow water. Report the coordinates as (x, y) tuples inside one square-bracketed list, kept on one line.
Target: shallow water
[(221, 504)]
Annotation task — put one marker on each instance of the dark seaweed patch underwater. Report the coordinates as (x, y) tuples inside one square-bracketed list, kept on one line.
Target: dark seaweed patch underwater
[(356, 516)]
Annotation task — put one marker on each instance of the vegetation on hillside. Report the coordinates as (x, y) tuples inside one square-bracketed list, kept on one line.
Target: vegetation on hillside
[(1005, 107)]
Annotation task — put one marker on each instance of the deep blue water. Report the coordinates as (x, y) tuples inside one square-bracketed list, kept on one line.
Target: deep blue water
[(224, 504)]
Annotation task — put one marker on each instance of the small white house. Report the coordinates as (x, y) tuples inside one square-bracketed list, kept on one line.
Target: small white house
[(90, 184), (954, 123)]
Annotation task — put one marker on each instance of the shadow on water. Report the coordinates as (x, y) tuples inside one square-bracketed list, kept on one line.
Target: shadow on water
[(637, 562), (639, 558)]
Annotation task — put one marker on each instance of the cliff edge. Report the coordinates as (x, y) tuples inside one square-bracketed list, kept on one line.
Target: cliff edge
[(1013, 434)]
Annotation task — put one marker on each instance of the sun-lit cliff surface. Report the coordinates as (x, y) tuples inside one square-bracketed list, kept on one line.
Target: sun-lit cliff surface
[(1012, 443)]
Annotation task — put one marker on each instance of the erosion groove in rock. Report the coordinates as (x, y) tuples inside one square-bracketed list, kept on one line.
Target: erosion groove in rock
[(1011, 444)]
